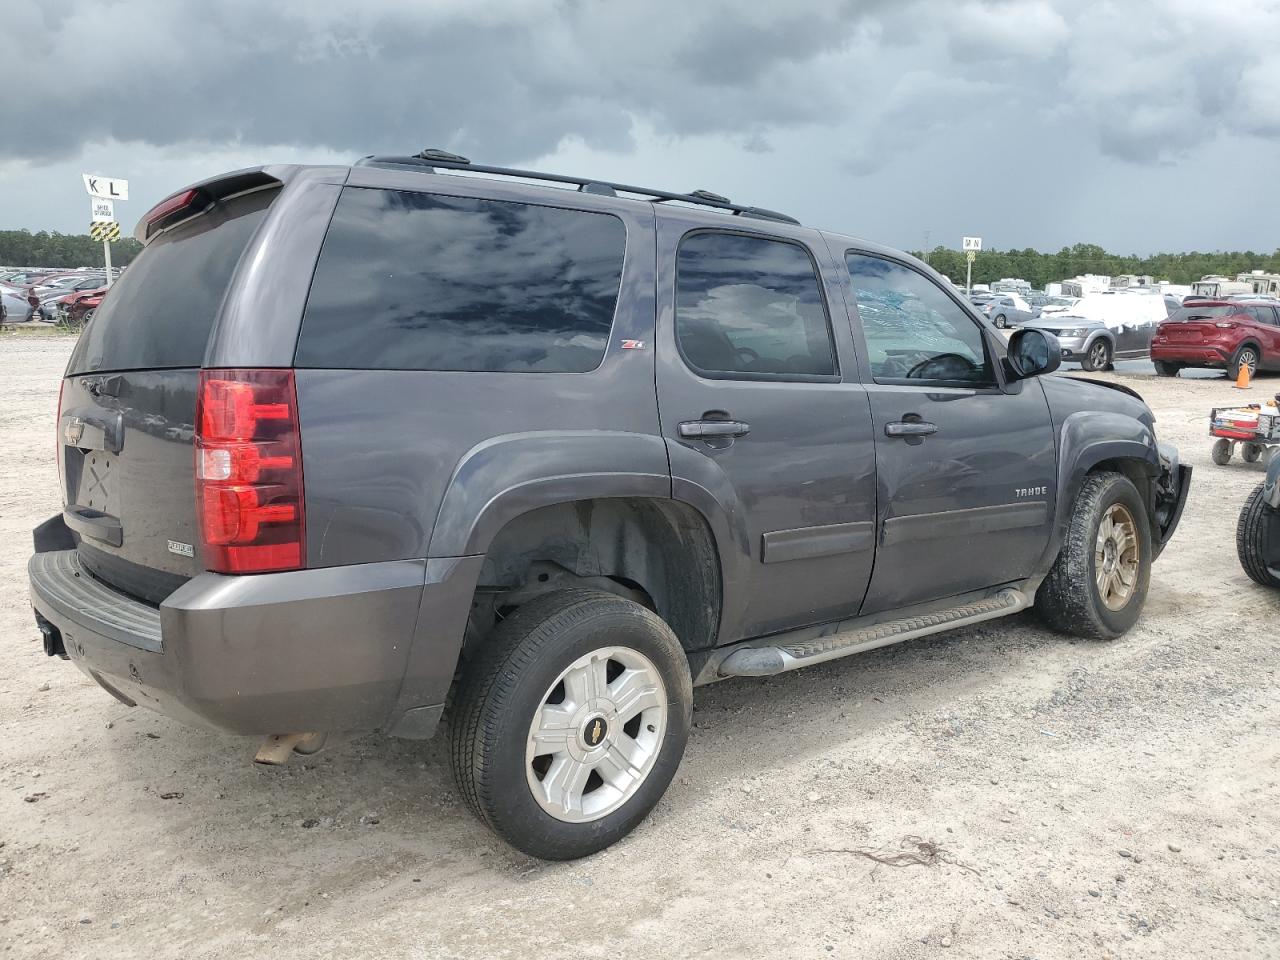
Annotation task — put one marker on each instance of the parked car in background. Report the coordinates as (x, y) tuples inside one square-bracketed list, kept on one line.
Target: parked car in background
[(77, 309), (1219, 334), (1058, 304), (68, 283), (15, 306), (1103, 327), (1005, 309)]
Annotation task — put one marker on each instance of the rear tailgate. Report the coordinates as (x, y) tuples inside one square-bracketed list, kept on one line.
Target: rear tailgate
[(1195, 324), (127, 414)]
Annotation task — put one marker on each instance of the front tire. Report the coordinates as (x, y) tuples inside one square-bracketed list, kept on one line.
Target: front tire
[(1251, 452), (1001, 321), (1251, 538), (1221, 452), (570, 722), (1098, 585), (1247, 356), (1097, 357)]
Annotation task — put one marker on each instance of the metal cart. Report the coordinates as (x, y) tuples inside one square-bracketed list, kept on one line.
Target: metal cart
[(1255, 427)]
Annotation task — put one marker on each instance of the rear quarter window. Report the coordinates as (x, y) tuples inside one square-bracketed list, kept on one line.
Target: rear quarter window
[(419, 281), (159, 314)]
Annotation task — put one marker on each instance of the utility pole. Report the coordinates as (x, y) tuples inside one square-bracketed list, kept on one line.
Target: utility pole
[(926, 246)]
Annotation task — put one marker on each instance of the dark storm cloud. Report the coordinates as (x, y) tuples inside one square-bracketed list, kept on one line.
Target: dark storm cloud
[(512, 81), (1144, 80)]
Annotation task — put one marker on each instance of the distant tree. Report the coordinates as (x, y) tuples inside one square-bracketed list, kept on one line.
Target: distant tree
[(1040, 268), (22, 248)]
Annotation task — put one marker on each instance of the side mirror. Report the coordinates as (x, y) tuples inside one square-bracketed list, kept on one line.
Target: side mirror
[(1032, 352)]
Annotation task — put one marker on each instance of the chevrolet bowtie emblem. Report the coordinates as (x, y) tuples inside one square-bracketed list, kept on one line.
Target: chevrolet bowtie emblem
[(73, 431)]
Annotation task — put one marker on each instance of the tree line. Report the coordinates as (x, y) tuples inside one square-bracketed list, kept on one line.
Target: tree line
[(22, 248), (1041, 268)]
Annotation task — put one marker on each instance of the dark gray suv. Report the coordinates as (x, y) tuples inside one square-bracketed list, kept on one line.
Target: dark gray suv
[(350, 449)]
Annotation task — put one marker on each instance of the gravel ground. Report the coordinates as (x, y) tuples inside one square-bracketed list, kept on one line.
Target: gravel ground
[(1074, 798)]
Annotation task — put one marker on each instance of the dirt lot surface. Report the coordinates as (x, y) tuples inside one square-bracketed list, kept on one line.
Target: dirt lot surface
[(1086, 799)]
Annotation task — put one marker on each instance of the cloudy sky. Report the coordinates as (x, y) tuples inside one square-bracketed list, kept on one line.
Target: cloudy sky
[(1142, 126)]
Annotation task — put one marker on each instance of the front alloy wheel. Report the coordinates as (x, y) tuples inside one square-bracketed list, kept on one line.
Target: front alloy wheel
[(1247, 357), (1097, 356), (1098, 584), (1116, 557)]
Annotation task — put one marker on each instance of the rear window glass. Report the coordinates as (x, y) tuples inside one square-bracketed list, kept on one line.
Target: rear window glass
[(1201, 313), (160, 312), (418, 281)]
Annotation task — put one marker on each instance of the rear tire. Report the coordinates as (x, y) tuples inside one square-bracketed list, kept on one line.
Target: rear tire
[(550, 678), (1167, 368), (1098, 585), (1001, 321), (1247, 356), (1251, 452), (1251, 538), (1097, 357), (1221, 452)]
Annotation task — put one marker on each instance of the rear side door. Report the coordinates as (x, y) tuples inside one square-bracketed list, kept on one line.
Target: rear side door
[(761, 406), (966, 466)]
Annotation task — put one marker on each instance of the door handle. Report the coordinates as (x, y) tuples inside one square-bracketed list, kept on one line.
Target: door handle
[(909, 428), (714, 428)]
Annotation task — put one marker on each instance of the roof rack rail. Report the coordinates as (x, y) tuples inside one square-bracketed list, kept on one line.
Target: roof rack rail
[(431, 158)]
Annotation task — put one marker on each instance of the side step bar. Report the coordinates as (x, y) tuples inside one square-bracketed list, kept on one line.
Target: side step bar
[(765, 660)]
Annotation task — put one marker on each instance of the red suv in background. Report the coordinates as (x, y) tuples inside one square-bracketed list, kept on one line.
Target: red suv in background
[(1219, 333)]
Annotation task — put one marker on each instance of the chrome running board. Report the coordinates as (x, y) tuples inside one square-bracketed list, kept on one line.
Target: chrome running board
[(761, 659)]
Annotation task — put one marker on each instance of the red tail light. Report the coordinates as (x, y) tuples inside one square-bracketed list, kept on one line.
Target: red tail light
[(172, 209), (249, 490)]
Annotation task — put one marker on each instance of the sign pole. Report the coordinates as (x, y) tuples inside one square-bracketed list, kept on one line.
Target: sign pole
[(970, 246), (106, 255)]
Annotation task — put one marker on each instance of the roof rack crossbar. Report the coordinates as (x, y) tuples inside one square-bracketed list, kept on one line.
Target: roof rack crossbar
[(702, 198)]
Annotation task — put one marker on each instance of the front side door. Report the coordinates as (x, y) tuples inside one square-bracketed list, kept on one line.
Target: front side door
[(966, 467), (760, 399), (1267, 333)]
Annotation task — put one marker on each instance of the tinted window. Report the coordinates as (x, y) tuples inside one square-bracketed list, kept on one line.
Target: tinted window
[(914, 330), (750, 306), (161, 310), (1264, 315), (418, 281)]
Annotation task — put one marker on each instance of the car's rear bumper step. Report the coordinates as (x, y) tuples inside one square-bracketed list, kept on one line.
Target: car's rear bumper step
[(59, 581), (764, 660)]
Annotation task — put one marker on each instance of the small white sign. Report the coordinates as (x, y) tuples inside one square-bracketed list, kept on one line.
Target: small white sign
[(106, 187), (971, 243), (102, 210)]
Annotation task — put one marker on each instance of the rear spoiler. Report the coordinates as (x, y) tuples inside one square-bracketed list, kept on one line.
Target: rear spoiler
[(196, 199)]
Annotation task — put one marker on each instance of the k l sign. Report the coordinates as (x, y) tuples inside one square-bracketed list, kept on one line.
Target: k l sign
[(106, 187)]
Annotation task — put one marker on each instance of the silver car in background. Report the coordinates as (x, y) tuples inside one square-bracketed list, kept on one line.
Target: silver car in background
[(1105, 327), (1005, 309)]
